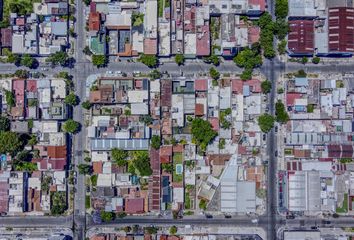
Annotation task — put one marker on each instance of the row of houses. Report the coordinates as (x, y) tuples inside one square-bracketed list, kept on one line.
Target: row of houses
[(36, 110), (321, 28), (169, 27), (318, 146), (41, 33), (129, 112)]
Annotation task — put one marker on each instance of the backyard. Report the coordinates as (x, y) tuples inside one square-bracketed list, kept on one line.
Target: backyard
[(20, 7), (177, 168), (344, 208)]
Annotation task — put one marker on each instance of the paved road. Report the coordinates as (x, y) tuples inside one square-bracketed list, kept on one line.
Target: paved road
[(36, 221)]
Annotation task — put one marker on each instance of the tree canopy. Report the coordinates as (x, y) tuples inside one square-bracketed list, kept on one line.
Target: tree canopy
[(155, 74), (86, 105), (84, 168), (179, 58), (28, 61), (71, 99), (149, 60), (119, 156), (141, 162), (58, 58), (266, 86), (281, 113), (214, 74), (107, 216), (281, 8), (71, 126), (156, 142), (266, 122), (99, 60), (173, 230), (10, 143), (202, 133), (248, 58), (316, 60), (4, 124)]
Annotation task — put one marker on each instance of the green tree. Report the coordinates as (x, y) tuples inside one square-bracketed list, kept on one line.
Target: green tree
[(137, 19), (248, 58), (71, 126), (87, 2), (282, 47), (281, 8), (214, 74), (316, 60), (27, 61), (281, 113), (12, 58), (99, 60), (58, 58), (266, 122), (84, 168), (10, 98), (212, 59), (266, 86), (86, 104), (33, 140), (151, 230), (281, 28), (203, 204), (93, 180), (246, 74), (173, 230), (167, 167), (10, 143), (301, 73), (304, 60), (21, 73), (156, 142), (107, 216), (179, 58), (155, 74), (149, 60), (58, 200), (87, 51), (142, 163), (4, 124), (71, 99), (119, 156), (202, 133)]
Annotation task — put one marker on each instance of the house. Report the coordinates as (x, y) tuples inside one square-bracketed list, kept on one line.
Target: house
[(134, 205)]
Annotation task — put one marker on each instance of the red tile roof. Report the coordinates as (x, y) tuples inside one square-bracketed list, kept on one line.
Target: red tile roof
[(290, 98), (94, 21), (56, 152), (20, 21), (18, 87), (255, 85), (97, 167), (134, 205), (254, 33), (201, 84), (4, 196), (260, 3), (31, 85), (199, 109), (155, 160), (6, 37), (301, 36), (203, 41), (178, 148), (341, 33), (150, 46), (166, 151), (214, 123), (237, 86)]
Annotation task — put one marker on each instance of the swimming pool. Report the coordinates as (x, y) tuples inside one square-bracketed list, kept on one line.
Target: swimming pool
[(179, 169)]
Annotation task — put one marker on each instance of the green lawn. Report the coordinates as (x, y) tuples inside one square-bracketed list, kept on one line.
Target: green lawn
[(19, 6), (187, 200), (344, 208), (87, 202), (177, 159), (160, 6)]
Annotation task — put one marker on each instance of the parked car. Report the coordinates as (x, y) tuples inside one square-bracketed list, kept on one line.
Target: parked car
[(228, 216), (264, 137), (208, 216), (276, 129), (290, 217), (255, 221), (276, 153)]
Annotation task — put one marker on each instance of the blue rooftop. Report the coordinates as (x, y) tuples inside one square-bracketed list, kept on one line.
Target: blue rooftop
[(301, 82)]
